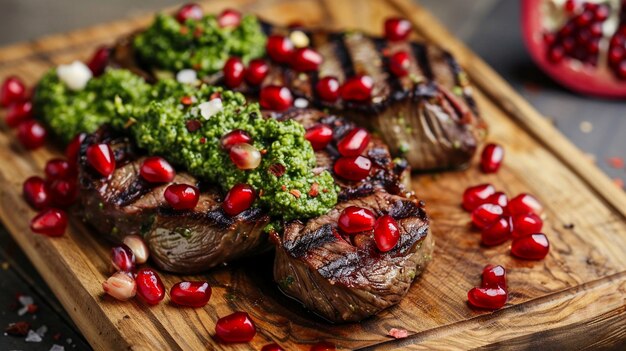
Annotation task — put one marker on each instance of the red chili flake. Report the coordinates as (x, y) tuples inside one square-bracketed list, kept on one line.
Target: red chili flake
[(197, 32), (295, 192), (193, 125), (261, 192), (324, 190), (18, 329), (398, 333), (616, 162), (186, 100), (277, 169), (196, 66), (203, 140), (619, 182), (32, 308), (184, 30), (283, 187), (215, 95), (314, 191), (263, 152)]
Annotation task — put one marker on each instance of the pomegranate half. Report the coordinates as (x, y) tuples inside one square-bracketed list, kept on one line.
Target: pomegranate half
[(579, 43)]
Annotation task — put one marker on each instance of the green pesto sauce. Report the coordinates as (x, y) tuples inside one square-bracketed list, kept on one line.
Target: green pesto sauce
[(198, 44)]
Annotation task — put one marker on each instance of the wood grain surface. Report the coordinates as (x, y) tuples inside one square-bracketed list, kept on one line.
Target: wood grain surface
[(575, 298)]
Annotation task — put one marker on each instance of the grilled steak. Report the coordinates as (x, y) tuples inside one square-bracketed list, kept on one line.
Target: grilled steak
[(346, 279)]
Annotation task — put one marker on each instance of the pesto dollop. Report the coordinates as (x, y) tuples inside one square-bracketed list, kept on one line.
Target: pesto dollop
[(198, 44)]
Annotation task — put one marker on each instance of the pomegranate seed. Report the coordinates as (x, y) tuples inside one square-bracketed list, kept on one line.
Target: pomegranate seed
[(569, 6), (279, 48), (355, 219), (386, 233), (327, 89), (139, 248), (245, 156), (182, 196), (149, 286), (496, 233), (101, 158), (63, 192), (238, 199), (234, 71), (73, 148), (486, 214), (306, 59), (19, 112), (487, 298), (477, 195), (494, 277), (189, 11), (11, 91), (272, 347), (257, 71), (499, 198), (357, 88), (353, 168), (36, 193), (235, 328), (57, 169), (98, 62), (491, 158), (157, 170), (234, 137), (275, 97), (354, 142), (121, 286), (397, 29), (31, 134), (191, 294), (323, 346), (319, 136), (526, 224), (524, 203), (50, 222), (229, 18), (531, 247), (399, 63), (123, 258)]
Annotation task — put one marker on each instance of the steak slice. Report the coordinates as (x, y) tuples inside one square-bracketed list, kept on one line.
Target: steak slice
[(346, 279)]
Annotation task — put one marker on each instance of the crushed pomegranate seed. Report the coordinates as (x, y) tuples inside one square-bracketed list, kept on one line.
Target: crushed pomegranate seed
[(398, 333)]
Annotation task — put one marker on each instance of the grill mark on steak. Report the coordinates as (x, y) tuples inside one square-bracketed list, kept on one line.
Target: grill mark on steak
[(392, 80), (315, 239), (419, 51), (342, 53)]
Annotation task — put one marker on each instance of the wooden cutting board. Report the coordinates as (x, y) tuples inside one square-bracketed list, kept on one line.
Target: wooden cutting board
[(576, 297)]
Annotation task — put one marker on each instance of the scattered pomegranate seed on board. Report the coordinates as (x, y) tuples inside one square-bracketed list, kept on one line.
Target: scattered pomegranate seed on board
[(235, 328), (121, 286), (486, 214), (12, 90), (477, 195), (36, 193), (149, 286), (31, 134), (531, 247), (123, 258), (191, 294), (487, 298), (50, 222), (491, 158)]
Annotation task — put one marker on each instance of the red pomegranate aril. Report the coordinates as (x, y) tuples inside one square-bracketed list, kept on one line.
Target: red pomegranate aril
[(496, 233), (245, 156), (306, 59), (31, 134), (257, 71), (73, 148), (272, 347), (235, 328), (355, 219), (235, 136), (63, 192), (399, 63), (397, 29), (182, 196), (36, 193), (98, 62), (189, 11), (487, 298), (191, 294), (319, 136), (353, 168), (499, 198), (531, 247), (229, 18), (234, 72), (19, 112), (486, 214), (279, 48), (156, 169), (526, 224), (386, 233), (57, 169), (50, 222), (354, 142), (238, 199), (276, 98), (138, 246), (524, 203), (149, 286), (494, 277), (477, 195), (491, 158), (101, 158), (11, 91), (357, 89), (323, 346), (327, 89), (123, 258), (121, 286)]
